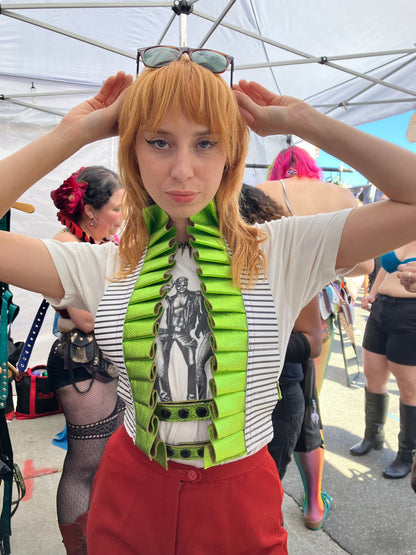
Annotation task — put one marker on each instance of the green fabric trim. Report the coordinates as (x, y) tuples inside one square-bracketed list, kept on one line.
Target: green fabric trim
[(227, 319), (228, 382), (228, 322), (140, 329), (229, 425), (223, 450), (219, 303)]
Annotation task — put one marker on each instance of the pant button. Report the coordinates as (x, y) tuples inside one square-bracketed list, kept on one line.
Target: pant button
[(192, 475)]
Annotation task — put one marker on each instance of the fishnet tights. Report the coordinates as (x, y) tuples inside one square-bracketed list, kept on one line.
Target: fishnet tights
[(91, 418)]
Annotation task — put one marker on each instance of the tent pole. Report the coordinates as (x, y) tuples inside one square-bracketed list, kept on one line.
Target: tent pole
[(183, 36), (68, 34), (324, 60), (183, 8), (217, 22), (384, 76)]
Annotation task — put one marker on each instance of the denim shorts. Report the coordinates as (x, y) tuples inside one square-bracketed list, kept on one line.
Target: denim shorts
[(391, 329)]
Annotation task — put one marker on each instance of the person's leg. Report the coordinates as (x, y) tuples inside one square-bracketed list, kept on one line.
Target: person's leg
[(413, 473), (377, 374), (309, 456), (321, 362), (316, 502), (401, 353), (406, 382), (287, 419), (91, 418), (310, 465)]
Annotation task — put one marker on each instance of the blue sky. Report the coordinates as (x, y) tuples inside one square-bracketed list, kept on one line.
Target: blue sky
[(392, 129)]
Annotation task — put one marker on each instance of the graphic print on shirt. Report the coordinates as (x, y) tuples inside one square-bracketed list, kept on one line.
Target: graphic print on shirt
[(183, 332)]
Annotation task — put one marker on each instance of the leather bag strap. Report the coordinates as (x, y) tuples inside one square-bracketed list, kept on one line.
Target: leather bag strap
[(31, 338)]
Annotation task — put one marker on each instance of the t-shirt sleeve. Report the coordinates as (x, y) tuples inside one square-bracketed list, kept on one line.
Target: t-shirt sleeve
[(301, 256), (85, 271)]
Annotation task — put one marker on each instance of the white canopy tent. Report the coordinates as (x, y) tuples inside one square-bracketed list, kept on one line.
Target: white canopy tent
[(351, 59)]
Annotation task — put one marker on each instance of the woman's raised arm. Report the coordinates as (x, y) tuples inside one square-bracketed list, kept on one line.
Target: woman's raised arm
[(370, 230), (88, 122), (25, 261)]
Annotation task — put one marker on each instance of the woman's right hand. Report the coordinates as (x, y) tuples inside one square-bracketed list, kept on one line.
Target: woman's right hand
[(97, 118), (407, 276), (367, 301)]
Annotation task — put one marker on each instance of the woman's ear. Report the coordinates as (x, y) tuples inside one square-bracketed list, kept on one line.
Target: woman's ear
[(88, 211)]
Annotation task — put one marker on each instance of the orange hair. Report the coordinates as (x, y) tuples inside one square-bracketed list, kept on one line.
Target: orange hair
[(204, 98)]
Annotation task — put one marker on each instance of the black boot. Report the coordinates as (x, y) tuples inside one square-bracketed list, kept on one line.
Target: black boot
[(402, 464), (413, 474), (375, 416)]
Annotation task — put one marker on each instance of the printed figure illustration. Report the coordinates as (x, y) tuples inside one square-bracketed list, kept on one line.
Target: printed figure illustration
[(185, 324)]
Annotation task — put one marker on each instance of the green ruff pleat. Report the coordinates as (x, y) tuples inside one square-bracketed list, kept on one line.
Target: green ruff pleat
[(227, 320)]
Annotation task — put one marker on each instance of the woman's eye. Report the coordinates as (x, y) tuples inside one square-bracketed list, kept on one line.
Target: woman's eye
[(158, 143), (205, 144)]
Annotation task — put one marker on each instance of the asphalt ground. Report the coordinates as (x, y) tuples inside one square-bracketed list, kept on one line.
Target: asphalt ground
[(369, 514)]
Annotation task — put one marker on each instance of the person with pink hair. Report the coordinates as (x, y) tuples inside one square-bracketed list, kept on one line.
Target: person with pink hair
[(295, 182), (293, 161)]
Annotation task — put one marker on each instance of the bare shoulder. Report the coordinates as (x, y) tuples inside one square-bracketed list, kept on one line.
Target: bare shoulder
[(271, 188), (325, 196), (65, 236), (267, 186), (345, 194)]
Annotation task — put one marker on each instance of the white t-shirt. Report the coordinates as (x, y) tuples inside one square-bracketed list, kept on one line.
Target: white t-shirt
[(300, 252)]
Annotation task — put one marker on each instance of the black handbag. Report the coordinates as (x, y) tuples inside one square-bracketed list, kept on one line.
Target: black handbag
[(34, 395)]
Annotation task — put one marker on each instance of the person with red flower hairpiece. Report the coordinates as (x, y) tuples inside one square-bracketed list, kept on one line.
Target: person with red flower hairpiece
[(89, 204)]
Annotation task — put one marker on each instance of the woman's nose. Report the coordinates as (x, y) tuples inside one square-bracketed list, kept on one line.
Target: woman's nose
[(182, 168)]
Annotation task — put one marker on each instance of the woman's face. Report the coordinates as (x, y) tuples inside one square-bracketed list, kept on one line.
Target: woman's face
[(107, 218), (181, 165)]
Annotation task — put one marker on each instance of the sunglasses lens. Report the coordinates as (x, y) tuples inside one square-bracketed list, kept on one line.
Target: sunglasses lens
[(159, 56), (214, 61)]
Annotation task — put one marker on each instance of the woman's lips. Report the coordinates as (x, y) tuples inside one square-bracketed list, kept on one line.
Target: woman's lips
[(182, 197)]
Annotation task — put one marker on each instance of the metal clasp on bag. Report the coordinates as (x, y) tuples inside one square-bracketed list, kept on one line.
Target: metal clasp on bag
[(81, 348)]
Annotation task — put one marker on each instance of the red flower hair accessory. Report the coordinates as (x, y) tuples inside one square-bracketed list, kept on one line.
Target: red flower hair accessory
[(69, 197)]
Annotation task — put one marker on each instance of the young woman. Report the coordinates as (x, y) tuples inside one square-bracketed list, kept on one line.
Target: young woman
[(389, 348), (89, 206), (195, 476)]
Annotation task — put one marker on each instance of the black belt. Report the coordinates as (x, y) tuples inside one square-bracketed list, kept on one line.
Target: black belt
[(184, 451), (180, 412)]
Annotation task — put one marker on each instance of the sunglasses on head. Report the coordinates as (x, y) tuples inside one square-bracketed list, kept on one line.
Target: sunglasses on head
[(158, 56)]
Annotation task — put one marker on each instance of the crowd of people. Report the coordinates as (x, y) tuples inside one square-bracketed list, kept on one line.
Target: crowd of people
[(189, 471)]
